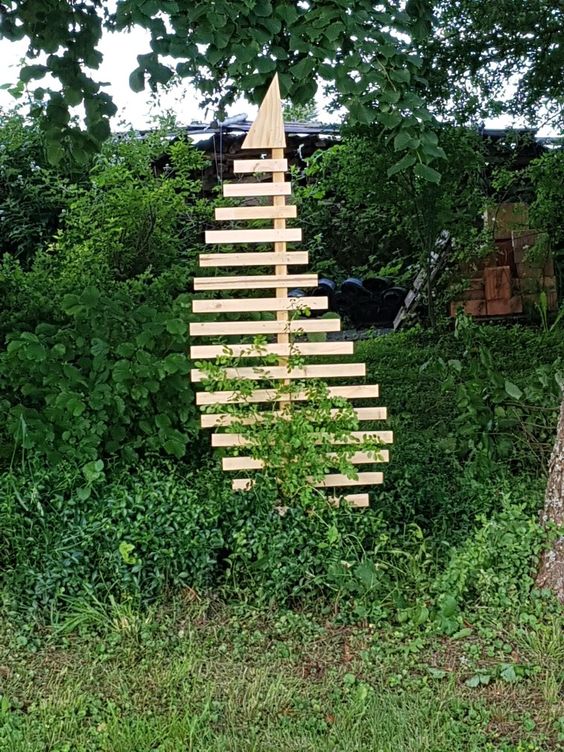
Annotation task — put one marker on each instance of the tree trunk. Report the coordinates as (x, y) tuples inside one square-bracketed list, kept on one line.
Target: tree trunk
[(551, 570)]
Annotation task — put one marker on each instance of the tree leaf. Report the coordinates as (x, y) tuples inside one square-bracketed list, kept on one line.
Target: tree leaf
[(427, 173), (513, 390), (403, 164)]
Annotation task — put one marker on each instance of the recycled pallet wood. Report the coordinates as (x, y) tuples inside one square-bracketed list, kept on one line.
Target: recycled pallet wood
[(283, 324)]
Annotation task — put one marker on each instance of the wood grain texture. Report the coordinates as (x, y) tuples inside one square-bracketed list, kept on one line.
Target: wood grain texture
[(260, 165), (333, 480), (233, 464), (258, 373), (255, 282), (239, 328), (355, 500), (240, 305), (234, 190), (267, 131), (268, 258), (203, 352), (288, 235), (363, 391), (237, 439), (241, 213), (224, 420)]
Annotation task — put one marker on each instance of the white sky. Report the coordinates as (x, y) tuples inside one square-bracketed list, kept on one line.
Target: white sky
[(139, 109)]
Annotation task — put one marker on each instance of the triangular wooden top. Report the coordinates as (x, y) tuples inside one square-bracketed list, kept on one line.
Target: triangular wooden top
[(267, 132)]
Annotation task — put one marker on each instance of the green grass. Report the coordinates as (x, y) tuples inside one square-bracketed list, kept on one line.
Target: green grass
[(200, 679)]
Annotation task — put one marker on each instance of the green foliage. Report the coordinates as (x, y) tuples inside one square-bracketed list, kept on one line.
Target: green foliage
[(363, 52), (96, 328), (33, 194), (135, 536), (360, 215)]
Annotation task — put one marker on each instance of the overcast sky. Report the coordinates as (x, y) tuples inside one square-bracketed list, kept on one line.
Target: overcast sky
[(135, 109)]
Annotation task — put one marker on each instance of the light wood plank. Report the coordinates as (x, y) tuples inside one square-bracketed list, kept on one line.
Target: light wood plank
[(334, 480), (356, 500), (255, 282), (234, 190), (358, 458), (239, 328), (260, 165), (267, 131), (239, 305), (325, 371), (203, 352), (361, 391), (218, 260), (241, 213), (237, 439), (223, 420), (288, 235)]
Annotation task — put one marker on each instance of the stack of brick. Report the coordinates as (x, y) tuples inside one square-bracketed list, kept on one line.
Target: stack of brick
[(508, 281)]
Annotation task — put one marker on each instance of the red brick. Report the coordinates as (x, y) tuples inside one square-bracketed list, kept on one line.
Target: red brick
[(548, 269), (475, 307), (516, 304), (498, 307), (552, 302)]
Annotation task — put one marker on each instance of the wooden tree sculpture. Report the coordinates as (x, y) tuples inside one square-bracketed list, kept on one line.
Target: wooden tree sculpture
[(267, 132)]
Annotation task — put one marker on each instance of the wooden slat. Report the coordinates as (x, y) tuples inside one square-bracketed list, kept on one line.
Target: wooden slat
[(218, 260), (333, 480), (325, 371), (239, 328), (232, 190), (362, 391), (255, 282), (356, 500), (237, 213), (288, 235), (357, 458), (204, 352), (237, 439), (260, 165), (214, 420), (239, 305)]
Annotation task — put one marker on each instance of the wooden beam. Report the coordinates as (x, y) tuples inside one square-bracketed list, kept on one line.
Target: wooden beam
[(355, 500), (358, 458), (362, 391), (334, 480), (237, 213), (260, 165), (255, 282), (331, 371), (223, 420), (234, 190), (287, 235), (292, 258), (203, 352), (239, 328), (237, 439), (239, 305)]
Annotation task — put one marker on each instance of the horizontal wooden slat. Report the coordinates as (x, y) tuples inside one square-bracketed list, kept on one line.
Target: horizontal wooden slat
[(239, 328), (333, 480), (357, 458), (224, 420), (318, 371), (204, 352), (287, 235), (260, 165), (255, 282), (239, 305), (237, 439), (231, 190), (356, 500), (361, 391), (241, 213), (268, 258)]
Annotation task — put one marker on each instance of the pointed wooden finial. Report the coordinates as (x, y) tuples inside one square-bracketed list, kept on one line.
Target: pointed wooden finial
[(267, 132)]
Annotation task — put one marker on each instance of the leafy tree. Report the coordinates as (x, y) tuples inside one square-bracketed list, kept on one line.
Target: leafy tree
[(362, 50), (480, 50)]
